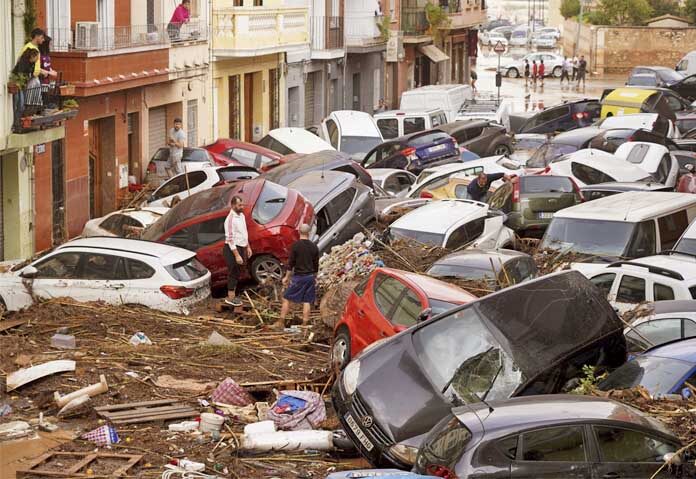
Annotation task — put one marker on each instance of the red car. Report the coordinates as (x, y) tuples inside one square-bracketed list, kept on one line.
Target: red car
[(388, 302), (242, 153), (273, 214)]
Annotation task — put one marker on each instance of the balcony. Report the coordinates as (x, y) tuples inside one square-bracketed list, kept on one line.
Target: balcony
[(41, 107), (414, 23), (362, 31), (251, 31), (466, 13), (327, 37)]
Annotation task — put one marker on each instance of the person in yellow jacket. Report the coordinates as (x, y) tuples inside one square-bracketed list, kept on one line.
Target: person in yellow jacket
[(37, 38)]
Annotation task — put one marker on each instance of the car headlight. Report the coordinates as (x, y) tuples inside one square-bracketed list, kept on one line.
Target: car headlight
[(350, 377), (404, 453)]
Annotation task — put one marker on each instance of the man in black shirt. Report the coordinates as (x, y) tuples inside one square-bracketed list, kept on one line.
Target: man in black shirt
[(478, 190), (301, 276)]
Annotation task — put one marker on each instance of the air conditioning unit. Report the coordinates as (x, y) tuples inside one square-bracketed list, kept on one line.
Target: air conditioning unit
[(86, 35)]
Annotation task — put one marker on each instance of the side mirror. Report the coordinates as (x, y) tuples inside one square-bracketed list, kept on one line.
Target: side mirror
[(424, 315), (29, 272)]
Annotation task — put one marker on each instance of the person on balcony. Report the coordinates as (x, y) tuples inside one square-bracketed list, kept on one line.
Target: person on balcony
[(38, 36), (25, 68), (182, 14), (46, 63)]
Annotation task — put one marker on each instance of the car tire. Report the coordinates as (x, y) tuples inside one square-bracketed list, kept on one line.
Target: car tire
[(557, 72), (264, 267), (3, 307), (500, 149), (340, 348), (512, 73)]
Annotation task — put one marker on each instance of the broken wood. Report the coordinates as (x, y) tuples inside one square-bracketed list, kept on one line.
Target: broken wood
[(5, 325), (25, 376), (146, 411), (83, 464)]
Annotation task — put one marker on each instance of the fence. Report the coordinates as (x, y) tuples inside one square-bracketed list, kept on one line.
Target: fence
[(414, 22), (327, 32)]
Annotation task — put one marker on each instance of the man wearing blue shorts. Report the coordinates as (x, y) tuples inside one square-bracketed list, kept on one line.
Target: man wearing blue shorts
[(300, 279)]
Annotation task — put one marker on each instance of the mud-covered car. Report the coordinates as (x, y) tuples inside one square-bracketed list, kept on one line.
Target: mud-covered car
[(527, 339)]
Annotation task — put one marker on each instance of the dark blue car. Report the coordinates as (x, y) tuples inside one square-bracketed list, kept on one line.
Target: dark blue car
[(414, 152), (662, 370)]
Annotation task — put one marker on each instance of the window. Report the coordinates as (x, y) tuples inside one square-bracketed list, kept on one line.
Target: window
[(272, 144), (624, 445), (473, 133), (180, 184), (340, 204), (518, 270), (99, 267), (332, 130), (63, 265), (413, 125), (397, 182), (589, 175), (137, 269), (673, 102), (117, 224), (656, 332), (382, 152), (662, 292), (465, 233), (558, 444), (671, 228), (192, 122), (631, 290), (184, 238), (187, 270), (461, 192), (360, 288), (502, 198), (407, 311), (662, 173), (389, 128), (387, 291), (637, 154), (689, 328), (270, 203), (547, 116), (508, 447), (643, 241), (232, 174), (435, 121), (211, 231), (245, 157), (474, 228)]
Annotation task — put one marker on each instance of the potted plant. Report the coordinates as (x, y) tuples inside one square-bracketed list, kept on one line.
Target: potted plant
[(67, 90), (16, 82), (26, 122), (70, 104)]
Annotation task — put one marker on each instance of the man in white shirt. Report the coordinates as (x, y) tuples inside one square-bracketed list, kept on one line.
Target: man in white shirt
[(176, 143), (236, 250)]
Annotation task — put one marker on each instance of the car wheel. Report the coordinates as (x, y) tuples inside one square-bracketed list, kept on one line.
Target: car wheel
[(340, 351), (512, 73), (557, 72), (501, 149), (266, 267), (3, 307)]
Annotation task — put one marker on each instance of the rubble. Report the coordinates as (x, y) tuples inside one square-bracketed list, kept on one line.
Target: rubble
[(99, 388)]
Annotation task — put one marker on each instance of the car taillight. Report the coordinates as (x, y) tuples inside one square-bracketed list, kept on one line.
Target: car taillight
[(516, 192), (580, 115), (408, 151), (176, 292), (426, 194), (441, 471), (151, 167)]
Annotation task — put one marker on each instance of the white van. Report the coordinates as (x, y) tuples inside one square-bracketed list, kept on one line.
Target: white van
[(351, 132), (395, 123), (449, 98), (687, 65)]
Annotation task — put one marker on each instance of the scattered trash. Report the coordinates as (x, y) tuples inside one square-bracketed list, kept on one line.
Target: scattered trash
[(132, 374), (76, 406), (45, 425), (93, 390), (296, 410), (15, 430), (211, 422), (189, 466), (25, 376), (244, 414), (140, 338), (288, 441), (217, 339), (63, 330), (263, 427), (184, 426), (229, 392), (146, 411), (170, 382), (347, 261), (63, 341), (5, 410), (102, 436)]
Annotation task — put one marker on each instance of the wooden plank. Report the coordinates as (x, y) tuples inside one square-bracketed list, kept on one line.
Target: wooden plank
[(144, 413), (123, 470), (131, 460), (80, 464), (164, 417), (5, 325), (143, 410), (116, 407)]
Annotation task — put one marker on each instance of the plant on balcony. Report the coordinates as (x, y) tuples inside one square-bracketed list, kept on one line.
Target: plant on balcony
[(70, 104), (16, 82), (383, 24), (439, 21)]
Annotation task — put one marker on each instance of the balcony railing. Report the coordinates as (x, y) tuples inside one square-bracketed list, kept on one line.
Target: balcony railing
[(327, 33), (414, 22), (363, 30), (40, 107)]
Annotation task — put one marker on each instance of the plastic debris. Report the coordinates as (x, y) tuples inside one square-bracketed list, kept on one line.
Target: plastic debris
[(63, 341), (184, 426), (263, 427), (5, 410), (287, 441), (93, 390), (188, 465), (102, 436), (229, 392), (75, 407), (15, 429), (296, 410), (211, 422), (140, 338), (217, 339), (347, 261), (27, 375)]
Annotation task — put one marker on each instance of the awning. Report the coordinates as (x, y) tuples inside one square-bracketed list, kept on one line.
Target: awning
[(435, 54)]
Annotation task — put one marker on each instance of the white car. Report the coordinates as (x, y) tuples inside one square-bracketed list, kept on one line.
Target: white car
[(663, 321), (590, 167), (519, 37), (392, 180), (636, 121), (653, 158), (687, 242), (492, 38), (545, 40), (186, 184), (455, 224), (113, 270), (652, 278), (553, 65), (496, 164), (123, 223), (351, 132), (552, 31), (287, 141), (437, 176), (193, 159), (395, 123)]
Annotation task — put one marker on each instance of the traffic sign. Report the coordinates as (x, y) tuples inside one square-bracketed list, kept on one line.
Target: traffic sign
[(499, 47)]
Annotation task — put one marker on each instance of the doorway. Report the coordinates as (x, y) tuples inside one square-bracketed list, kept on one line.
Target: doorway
[(58, 188), (102, 161), (133, 146), (356, 91), (249, 107), (235, 103)]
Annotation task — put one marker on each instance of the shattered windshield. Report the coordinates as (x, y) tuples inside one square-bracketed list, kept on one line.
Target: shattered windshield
[(464, 360), (547, 153)]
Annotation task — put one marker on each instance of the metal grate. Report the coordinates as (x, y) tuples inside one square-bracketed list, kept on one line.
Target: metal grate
[(274, 80), (192, 123), (234, 101)]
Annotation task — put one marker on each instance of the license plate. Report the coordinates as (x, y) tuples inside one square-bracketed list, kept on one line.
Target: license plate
[(358, 432), (545, 214), (433, 149)]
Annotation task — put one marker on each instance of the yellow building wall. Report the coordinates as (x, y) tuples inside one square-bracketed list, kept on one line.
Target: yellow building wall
[(17, 204)]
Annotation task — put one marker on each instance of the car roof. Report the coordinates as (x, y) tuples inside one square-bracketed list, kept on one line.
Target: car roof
[(576, 137), (684, 350), (325, 159), (433, 288), (625, 186), (356, 123), (232, 143), (634, 120), (143, 214), (524, 412), (630, 93), (652, 67), (681, 264), (300, 140), (674, 306), (439, 216), (606, 162), (480, 258), (382, 173), (167, 254), (631, 206), (317, 185), (462, 125)]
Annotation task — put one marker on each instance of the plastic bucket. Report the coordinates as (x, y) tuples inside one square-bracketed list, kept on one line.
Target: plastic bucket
[(210, 422)]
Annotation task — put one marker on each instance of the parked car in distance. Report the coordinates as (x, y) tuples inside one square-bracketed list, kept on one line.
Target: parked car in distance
[(448, 98), (506, 30), (184, 185), (564, 117), (414, 152), (601, 190), (490, 349), (113, 270), (397, 123), (661, 322), (669, 368), (327, 160), (497, 267), (492, 38), (519, 37), (454, 224), (192, 159), (483, 137), (387, 302), (589, 167), (553, 63), (286, 141), (351, 132), (273, 216), (342, 205), (661, 76), (549, 436), (545, 40), (687, 242), (123, 223), (687, 65), (553, 31), (247, 154), (392, 180), (531, 201)]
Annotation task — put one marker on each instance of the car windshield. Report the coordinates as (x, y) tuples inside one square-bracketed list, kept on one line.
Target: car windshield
[(438, 306), (549, 152), (465, 272), (658, 375), (546, 184), (424, 237), (270, 203), (525, 148), (686, 245), (642, 80), (359, 146), (464, 361), (605, 240), (187, 270), (519, 34)]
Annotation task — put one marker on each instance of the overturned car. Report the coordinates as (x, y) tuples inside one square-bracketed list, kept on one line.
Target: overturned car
[(532, 338)]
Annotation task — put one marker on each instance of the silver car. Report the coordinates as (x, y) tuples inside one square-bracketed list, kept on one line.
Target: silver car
[(553, 65), (341, 203)]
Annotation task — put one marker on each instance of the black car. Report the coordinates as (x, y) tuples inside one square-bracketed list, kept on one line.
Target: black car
[(483, 137), (414, 152), (564, 117), (600, 190), (527, 339), (558, 436), (687, 125), (322, 160), (665, 78)]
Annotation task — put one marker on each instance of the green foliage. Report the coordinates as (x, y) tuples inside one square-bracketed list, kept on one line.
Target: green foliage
[(690, 10), (29, 17), (622, 12), (383, 26), (590, 381), (70, 104), (438, 19), (19, 79), (570, 8), (665, 7)]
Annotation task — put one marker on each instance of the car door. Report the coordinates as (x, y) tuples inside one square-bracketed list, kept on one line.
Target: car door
[(102, 278), (182, 186), (630, 454), (140, 289), (552, 453), (57, 276), (335, 226), (386, 291), (631, 292)]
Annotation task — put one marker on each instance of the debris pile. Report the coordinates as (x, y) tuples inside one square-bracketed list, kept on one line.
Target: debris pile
[(353, 259)]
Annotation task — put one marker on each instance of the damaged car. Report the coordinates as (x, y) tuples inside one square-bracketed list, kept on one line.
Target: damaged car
[(532, 338)]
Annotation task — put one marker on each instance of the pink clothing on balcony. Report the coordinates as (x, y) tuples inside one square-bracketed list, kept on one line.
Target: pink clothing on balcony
[(181, 16)]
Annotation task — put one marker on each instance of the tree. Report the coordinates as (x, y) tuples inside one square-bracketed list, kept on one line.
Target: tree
[(665, 7), (690, 9), (624, 12), (570, 8)]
